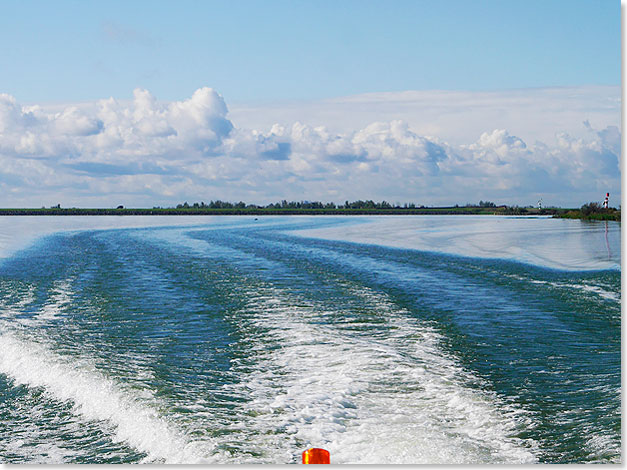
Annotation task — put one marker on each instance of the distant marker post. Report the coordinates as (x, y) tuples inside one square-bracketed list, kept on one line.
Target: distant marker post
[(315, 455)]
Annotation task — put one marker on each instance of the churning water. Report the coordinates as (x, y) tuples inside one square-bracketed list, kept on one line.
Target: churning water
[(235, 340)]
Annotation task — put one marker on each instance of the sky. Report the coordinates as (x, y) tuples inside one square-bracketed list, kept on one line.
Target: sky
[(434, 102)]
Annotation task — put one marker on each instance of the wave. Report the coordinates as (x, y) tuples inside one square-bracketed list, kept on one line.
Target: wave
[(392, 397), (364, 378), (96, 397), (599, 290)]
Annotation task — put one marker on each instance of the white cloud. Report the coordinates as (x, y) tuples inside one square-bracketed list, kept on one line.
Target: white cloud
[(74, 123), (146, 152), (457, 117)]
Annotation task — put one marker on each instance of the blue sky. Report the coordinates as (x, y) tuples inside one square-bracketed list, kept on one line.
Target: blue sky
[(282, 50), (435, 102)]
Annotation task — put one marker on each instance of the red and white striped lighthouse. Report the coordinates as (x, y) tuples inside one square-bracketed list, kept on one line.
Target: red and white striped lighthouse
[(606, 202)]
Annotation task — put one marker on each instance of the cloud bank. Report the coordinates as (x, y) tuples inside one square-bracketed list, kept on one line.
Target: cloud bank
[(145, 152)]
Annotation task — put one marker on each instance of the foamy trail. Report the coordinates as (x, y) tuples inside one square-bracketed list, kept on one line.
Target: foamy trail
[(598, 290), (96, 397), (392, 397), (601, 291), (389, 396), (20, 297), (59, 299)]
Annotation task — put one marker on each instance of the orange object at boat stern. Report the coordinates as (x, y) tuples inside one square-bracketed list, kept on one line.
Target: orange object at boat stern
[(316, 456)]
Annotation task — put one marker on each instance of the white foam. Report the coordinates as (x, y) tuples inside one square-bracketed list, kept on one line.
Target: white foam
[(389, 396), (595, 289), (393, 397), (96, 397), (58, 300), (604, 446), (10, 307), (614, 296)]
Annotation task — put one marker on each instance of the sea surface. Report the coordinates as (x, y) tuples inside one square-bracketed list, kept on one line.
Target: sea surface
[(426, 339)]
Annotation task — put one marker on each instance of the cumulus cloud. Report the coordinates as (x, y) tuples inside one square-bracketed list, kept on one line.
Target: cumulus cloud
[(146, 152), (149, 129), (74, 123), (457, 117)]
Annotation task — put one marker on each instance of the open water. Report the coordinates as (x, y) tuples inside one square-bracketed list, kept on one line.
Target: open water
[(382, 339)]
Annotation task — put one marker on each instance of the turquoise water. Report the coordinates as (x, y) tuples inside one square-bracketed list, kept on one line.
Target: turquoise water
[(383, 340)]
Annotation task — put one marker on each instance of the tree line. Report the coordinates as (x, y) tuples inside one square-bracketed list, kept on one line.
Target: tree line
[(591, 210), (284, 204)]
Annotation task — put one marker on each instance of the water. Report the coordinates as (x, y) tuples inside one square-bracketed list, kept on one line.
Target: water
[(382, 339)]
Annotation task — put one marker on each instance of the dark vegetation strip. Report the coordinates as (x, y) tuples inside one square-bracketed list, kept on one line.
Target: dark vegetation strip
[(590, 211), (276, 211)]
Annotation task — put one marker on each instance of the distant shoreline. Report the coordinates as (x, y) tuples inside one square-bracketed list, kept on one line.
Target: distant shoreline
[(610, 214), (282, 211), (607, 214)]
